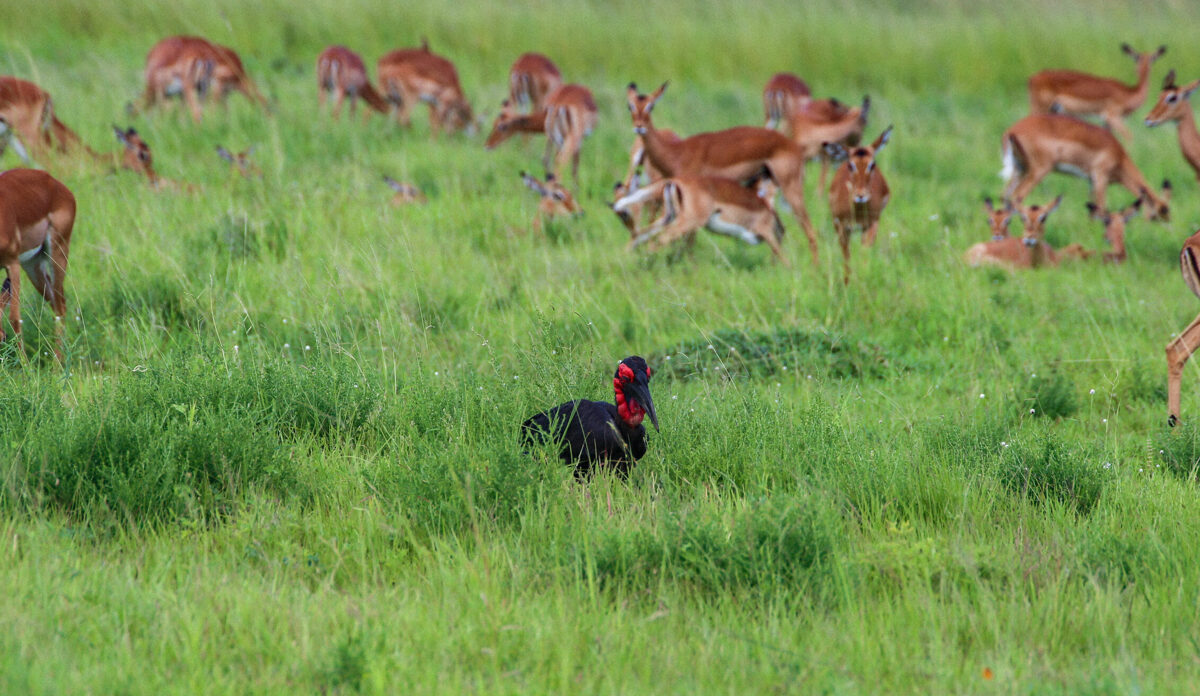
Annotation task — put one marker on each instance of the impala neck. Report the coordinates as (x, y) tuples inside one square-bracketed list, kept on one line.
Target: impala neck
[(1189, 137), (531, 123), (1040, 255), (658, 150)]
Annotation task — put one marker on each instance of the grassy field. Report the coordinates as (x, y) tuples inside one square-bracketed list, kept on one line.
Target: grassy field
[(285, 457)]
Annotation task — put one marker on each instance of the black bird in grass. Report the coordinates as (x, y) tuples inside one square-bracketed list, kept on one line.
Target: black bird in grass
[(599, 433)]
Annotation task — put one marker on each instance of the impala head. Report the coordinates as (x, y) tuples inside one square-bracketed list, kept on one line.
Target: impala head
[(632, 386), (556, 199), (1114, 225), (620, 190), (1143, 59), (1172, 103), (405, 193), (998, 219), (1034, 217), (502, 127), (641, 105), (137, 155), (455, 115), (1158, 206), (240, 161), (860, 162)]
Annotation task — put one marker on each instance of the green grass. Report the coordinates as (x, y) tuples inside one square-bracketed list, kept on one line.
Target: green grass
[(286, 458)]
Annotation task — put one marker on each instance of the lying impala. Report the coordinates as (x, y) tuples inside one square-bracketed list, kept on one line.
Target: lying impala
[(532, 78), (403, 194), (1179, 350), (37, 214), (342, 73), (1172, 105), (29, 112), (240, 162), (568, 117), (1114, 227), (1078, 93), (858, 194), (736, 153), (1027, 251), (1037, 145), (998, 218), (412, 75), (556, 200), (192, 67)]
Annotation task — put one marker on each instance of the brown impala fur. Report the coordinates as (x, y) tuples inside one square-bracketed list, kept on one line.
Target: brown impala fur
[(641, 173), (556, 200), (1030, 250), (342, 73), (998, 218), (1180, 349), (1172, 105), (240, 162), (722, 206), (735, 153), (858, 194), (1037, 145), (1114, 228), (569, 116), (404, 193), (1077, 93), (811, 128), (37, 214), (784, 95), (192, 67), (532, 77), (29, 112), (229, 75), (411, 75)]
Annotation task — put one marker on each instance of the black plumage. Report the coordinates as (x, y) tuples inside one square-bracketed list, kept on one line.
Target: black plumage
[(595, 433)]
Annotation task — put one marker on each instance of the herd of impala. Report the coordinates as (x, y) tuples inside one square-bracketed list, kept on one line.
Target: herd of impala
[(723, 181)]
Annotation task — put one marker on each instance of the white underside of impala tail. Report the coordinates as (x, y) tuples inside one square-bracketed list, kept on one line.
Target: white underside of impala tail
[(1010, 162), (716, 224)]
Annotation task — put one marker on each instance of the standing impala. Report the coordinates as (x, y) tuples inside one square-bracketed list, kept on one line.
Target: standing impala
[(1179, 350), (569, 116), (1037, 145), (411, 75), (29, 112), (784, 95), (37, 214), (1172, 105), (736, 153), (342, 73), (532, 77), (192, 67), (858, 194), (1079, 93)]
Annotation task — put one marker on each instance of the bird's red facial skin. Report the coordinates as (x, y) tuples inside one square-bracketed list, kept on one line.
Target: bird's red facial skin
[(630, 411), (625, 372)]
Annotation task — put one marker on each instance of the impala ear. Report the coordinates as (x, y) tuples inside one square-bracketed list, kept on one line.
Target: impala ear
[(835, 151), (120, 135), (1052, 207), (1128, 50), (1093, 210), (1161, 51), (534, 184), (224, 154), (656, 96), (1133, 208), (882, 140), (987, 204), (1187, 91), (1169, 80)]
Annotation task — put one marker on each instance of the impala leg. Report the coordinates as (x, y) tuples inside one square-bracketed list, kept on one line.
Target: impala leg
[(680, 227), (793, 193), (337, 104), (868, 239), (1117, 125), (548, 154), (14, 302), (824, 170), (1178, 352), (189, 96), (1016, 192), (772, 242), (1100, 192), (322, 95), (843, 234)]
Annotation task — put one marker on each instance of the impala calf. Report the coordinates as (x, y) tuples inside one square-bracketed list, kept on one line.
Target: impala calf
[(556, 200), (1114, 228), (241, 162), (1077, 93), (342, 73), (1172, 105), (404, 193), (736, 153), (1030, 250), (533, 76), (858, 194), (412, 75), (1180, 349), (37, 214), (998, 219), (722, 206), (1037, 145)]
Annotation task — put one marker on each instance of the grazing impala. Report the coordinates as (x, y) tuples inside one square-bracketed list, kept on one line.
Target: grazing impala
[(29, 112), (412, 75), (403, 194), (37, 214), (192, 67), (1179, 350), (858, 194), (1172, 105), (240, 162), (532, 77), (342, 73), (1037, 145), (1030, 250), (556, 200), (735, 153), (1077, 93), (784, 95), (723, 206), (1114, 227), (568, 117)]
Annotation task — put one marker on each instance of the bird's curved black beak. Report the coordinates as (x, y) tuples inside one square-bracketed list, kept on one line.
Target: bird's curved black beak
[(641, 394)]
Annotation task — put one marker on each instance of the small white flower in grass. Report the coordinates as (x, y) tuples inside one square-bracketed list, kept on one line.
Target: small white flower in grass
[(514, 377), (945, 339), (785, 368), (1107, 465), (673, 396), (1091, 391), (287, 345), (777, 384), (1103, 420), (982, 395), (933, 217), (1034, 375), (710, 347), (356, 386), (307, 347), (1161, 452), (436, 373), (1003, 443), (1139, 469), (668, 357), (691, 410), (285, 321), (1032, 410), (235, 349)]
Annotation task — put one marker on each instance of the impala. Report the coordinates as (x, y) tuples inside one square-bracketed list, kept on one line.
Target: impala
[(784, 95), (1030, 250), (998, 218), (37, 214), (1114, 227), (1079, 93), (9, 137), (556, 200), (403, 194), (1037, 145), (812, 128), (412, 75), (240, 162), (568, 117), (1179, 350), (858, 194), (736, 153), (641, 173), (192, 67), (29, 113), (1172, 105), (720, 205), (532, 77), (342, 73)]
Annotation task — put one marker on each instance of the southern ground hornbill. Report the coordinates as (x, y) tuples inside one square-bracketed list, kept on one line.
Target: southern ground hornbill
[(599, 433)]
